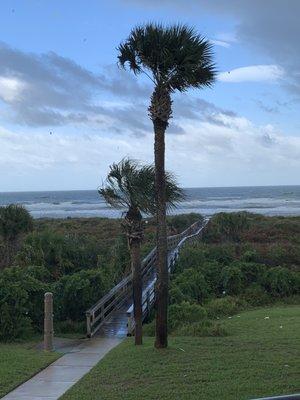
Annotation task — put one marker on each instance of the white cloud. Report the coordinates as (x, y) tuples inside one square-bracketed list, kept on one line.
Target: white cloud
[(58, 90), (220, 43), (236, 152), (227, 37), (11, 88), (224, 39), (253, 73)]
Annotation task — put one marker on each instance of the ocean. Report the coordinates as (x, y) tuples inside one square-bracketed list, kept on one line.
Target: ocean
[(268, 200)]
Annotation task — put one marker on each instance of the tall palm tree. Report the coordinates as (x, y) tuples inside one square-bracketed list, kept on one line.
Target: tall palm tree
[(15, 220), (131, 186), (174, 58)]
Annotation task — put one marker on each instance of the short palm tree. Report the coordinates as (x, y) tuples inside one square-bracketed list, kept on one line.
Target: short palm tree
[(15, 220), (175, 58), (131, 186)]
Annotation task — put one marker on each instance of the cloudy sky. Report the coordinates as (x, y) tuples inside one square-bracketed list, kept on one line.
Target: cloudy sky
[(67, 111)]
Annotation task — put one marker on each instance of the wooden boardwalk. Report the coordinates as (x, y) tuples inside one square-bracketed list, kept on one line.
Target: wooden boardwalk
[(112, 316)]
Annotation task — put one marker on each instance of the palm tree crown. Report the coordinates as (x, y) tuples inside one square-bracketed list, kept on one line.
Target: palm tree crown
[(176, 56), (132, 186)]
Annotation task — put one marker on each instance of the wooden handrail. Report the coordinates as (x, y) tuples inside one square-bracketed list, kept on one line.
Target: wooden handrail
[(149, 291)]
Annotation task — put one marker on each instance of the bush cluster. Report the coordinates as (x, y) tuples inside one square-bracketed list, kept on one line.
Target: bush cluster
[(60, 254), (22, 292), (219, 282), (187, 319), (21, 302), (228, 226), (205, 271)]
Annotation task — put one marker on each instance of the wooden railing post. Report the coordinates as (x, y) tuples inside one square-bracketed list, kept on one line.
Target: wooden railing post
[(48, 322), (129, 324)]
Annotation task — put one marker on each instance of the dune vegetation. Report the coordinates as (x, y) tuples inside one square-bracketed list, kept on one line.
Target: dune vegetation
[(78, 260)]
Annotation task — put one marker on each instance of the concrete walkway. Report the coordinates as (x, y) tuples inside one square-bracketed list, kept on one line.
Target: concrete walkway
[(57, 378)]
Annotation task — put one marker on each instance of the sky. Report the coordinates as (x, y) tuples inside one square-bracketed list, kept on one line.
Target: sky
[(67, 111)]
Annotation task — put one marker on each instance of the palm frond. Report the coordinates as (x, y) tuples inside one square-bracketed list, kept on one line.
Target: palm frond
[(174, 194)]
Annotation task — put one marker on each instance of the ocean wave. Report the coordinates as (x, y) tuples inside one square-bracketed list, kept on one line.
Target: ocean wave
[(264, 200), (233, 203), (66, 206)]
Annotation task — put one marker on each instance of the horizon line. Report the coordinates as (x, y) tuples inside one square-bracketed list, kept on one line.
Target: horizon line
[(190, 187)]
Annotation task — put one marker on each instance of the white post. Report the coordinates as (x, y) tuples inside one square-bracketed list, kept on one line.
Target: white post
[(48, 322), (88, 325)]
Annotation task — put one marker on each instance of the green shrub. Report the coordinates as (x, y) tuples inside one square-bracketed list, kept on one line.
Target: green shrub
[(211, 270), (251, 272), (149, 329), (281, 282), (14, 322), (15, 221), (60, 254), (30, 253), (39, 272), (224, 307), (283, 254), (256, 295), (190, 257), (75, 293), (227, 226), (195, 256), (209, 328), (231, 280), (188, 320), (221, 253), (183, 313), (35, 305), (69, 326), (250, 256), (179, 314), (22, 298), (34, 289), (120, 264), (176, 295), (190, 286), (181, 222)]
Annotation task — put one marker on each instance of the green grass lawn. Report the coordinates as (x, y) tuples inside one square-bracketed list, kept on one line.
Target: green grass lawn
[(260, 357), (19, 362)]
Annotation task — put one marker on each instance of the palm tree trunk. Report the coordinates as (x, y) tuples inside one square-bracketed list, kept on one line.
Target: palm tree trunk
[(162, 267), (135, 249)]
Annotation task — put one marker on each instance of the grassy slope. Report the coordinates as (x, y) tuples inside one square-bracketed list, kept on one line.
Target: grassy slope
[(259, 358), (18, 362)]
